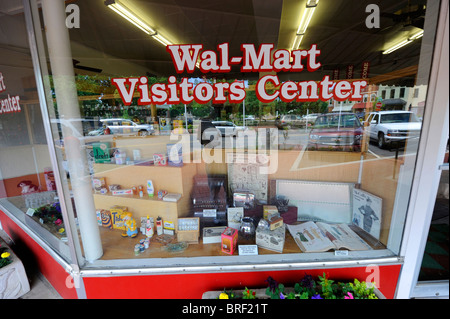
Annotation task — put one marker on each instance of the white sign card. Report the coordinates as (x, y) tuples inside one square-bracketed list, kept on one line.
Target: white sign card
[(248, 250)]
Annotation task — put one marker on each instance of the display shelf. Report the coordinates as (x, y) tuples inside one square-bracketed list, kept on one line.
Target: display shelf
[(172, 179), (117, 247)]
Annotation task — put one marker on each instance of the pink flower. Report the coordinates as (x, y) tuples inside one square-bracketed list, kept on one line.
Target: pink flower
[(349, 296), (58, 222)]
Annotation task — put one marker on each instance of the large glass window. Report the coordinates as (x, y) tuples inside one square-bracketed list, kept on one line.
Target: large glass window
[(177, 120), (27, 181)]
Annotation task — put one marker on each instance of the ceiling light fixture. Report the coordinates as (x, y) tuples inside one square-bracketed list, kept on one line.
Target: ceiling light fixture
[(416, 36), (127, 14), (304, 22)]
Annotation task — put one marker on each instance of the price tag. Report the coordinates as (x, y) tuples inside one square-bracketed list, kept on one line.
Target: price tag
[(248, 250), (341, 252), (210, 213), (30, 212)]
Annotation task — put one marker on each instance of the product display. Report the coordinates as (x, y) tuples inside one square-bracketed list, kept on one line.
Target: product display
[(211, 214)]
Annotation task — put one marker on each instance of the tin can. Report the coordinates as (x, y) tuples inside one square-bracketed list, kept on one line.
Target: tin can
[(137, 249)]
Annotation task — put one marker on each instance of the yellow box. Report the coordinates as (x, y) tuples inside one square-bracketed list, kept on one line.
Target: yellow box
[(269, 210), (117, 215)]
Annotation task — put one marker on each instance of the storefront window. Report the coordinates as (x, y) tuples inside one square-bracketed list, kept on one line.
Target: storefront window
[(27, 183), (237, 131)]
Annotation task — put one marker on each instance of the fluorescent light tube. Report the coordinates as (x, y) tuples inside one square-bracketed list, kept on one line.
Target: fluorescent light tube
[(304, 22), (128, 15), (161, 39), (404, 42), (125, 13)]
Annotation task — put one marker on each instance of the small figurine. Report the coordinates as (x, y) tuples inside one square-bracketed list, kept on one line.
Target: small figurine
[(28, 187), (130, 226)]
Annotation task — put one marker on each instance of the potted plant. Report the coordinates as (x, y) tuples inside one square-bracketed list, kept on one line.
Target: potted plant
[(307, 288), (13, 279)]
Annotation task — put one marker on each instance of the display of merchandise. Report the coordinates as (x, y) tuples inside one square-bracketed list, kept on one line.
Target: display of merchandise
[(244, 199), (159, 226), (150, 188), (209, 192), (171, 197), (213, 235), (175, 155)]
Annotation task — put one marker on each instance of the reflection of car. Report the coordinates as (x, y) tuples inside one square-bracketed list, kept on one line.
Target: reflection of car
[(310, 118), (388, 126), (208, 134), (227, 128), (342, 131), (288, 121), (251, 120), (124, 126)]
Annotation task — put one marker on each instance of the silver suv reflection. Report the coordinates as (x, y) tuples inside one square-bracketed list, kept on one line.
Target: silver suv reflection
[(124, 127)]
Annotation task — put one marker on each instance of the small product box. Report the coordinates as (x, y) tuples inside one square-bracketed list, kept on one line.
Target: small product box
[(106, 218), (159, 159), (120, 192), (188, 230), (275, 221), (117, 215), (175, 155), (99, 184), (213, 235), (102, 152), (229, 240), (269, 210)]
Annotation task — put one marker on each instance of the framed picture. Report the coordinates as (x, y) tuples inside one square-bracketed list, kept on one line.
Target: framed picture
[(235, 215), (367, 212)]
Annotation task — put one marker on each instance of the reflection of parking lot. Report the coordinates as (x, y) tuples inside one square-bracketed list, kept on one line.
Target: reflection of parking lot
[(298, 138)]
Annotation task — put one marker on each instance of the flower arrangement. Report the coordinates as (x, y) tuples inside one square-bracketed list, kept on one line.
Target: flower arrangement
[(309, 288), (5, 257), (51, 214)]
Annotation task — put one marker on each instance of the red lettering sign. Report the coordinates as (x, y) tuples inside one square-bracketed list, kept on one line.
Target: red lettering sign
[(350, 71), (365, 70)]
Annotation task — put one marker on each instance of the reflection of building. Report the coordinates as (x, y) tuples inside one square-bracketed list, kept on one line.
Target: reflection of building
[(391, 98)]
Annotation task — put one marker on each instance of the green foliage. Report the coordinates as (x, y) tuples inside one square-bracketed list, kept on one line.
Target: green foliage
[(248, 294), (4, 261), (361, 291)]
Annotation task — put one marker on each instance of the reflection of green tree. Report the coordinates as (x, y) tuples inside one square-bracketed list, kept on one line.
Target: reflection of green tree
[(99, 85)]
